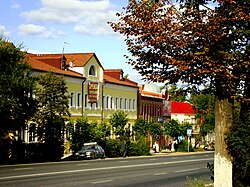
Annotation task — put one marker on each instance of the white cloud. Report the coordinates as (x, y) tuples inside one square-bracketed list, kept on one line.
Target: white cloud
[(3, 32), (88, 17), (37, 30), (15, 5)]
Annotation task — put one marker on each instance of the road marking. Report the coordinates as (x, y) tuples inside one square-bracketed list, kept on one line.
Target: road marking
[(123, 161), (160, 174), (82, 164), (104, 168), (20, 169), (186, 170), (98, 182), (153, 159)]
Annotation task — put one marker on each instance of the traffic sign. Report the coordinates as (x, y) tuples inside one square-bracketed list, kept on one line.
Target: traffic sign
[(189, 132)]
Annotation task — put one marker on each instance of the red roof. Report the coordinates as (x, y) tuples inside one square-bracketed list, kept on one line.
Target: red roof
[(40, 64), (181, 108), (113, 76)]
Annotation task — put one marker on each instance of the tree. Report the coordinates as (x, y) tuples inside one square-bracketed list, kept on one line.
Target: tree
[(141, 127), (155, 129), (17, 105), (118, 120), (194, 45), (101, 131), (81, 134), (177, 94), (203, 104), (53, 99)]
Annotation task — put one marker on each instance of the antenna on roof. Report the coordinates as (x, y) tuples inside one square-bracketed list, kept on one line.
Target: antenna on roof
[(63, 61), (63, 47)]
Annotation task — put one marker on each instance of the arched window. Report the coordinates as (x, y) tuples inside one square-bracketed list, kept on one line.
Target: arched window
[(92, 70)]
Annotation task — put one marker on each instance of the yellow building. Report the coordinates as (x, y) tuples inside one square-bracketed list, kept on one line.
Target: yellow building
[(95, 93)]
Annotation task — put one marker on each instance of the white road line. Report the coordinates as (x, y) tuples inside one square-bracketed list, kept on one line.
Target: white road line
[(103, 168), (20, 169), (123, 161), (82, 164), (160, 174), (186, 170), (153, 159), (98, 182)]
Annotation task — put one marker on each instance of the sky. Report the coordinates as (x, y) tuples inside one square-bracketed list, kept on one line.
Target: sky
[(72, 26)]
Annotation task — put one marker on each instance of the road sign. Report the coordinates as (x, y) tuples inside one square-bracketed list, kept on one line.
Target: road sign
[(189, 132)]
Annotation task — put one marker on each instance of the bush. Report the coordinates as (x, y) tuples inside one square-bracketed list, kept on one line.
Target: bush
[(139, 148), (183, 147), (113, 148)]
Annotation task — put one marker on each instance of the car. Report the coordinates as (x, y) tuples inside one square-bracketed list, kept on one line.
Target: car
[(91, 151)]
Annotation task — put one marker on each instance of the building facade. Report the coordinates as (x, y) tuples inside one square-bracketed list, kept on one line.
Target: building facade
[(95, 93)]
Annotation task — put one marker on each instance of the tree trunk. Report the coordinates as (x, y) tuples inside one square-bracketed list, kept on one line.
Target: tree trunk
[(222, 160)]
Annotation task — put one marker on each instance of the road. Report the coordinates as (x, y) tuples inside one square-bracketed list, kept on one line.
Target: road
[(153, 171)]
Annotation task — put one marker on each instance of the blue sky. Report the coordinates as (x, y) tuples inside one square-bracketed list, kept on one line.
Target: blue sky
[(43, 26)]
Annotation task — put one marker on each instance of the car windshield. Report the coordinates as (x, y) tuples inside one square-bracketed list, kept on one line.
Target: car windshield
[(87, 147)]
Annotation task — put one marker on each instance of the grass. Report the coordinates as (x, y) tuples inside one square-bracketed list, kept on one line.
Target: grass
[(200, 182)]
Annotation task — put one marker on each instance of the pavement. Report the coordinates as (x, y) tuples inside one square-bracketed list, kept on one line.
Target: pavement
[(69, 156)]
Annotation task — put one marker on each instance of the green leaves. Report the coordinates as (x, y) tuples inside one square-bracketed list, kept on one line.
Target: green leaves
[(118, 120), (16, 85)]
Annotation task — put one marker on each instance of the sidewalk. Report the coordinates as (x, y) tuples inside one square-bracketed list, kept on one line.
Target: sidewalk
[(162, 153)]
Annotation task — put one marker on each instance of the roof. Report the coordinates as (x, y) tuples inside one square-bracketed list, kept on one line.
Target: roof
[(147, 93), (41, 64), (181, 108), (113, 76), (78, 59)]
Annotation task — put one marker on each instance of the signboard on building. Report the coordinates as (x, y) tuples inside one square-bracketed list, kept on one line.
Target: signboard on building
[(93, 92)]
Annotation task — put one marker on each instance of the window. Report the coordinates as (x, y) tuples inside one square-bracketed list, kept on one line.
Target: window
[(129, 104), (107, 102), (86, 100), (72, 99), (79, 100), (134, 104), (120, 103), (116, 103), (92, 70), (125, 104), (111, 103)]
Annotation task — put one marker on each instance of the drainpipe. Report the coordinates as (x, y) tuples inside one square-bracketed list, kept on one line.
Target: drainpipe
[(84, 79)]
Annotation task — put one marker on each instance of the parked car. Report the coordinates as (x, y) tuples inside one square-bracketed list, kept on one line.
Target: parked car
[(91, 151)]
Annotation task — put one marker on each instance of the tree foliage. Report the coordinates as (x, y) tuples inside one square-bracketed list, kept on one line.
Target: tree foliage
[(141, 127), (203, 104), (118, 120), (17, 105), (155, 129), (177, 94), (174, 129), (53, 99), (193, 44)]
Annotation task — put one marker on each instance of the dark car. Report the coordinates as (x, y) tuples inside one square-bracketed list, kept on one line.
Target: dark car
[(91, 151)]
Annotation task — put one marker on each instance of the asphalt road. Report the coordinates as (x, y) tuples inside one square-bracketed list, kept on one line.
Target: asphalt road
[(153, 171)]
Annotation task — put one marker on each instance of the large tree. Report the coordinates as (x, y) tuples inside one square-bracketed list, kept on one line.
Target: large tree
[(53, 103), (195, 45), (16, 84)]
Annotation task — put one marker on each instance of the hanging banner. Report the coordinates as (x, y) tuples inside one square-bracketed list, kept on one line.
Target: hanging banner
[(93, 92)]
